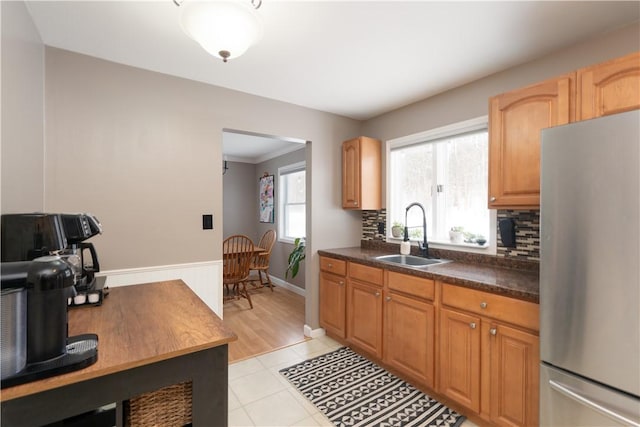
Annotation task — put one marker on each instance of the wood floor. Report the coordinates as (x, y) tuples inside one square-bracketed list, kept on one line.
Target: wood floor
[(276, 320)]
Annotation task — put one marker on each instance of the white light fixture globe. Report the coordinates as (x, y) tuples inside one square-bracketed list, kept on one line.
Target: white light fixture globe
[(225, 29)]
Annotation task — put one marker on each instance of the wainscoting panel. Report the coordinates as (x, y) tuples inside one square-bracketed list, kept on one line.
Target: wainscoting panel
[(204, 279)]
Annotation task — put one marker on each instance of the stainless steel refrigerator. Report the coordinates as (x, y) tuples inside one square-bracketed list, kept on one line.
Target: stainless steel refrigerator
[(590, 273)]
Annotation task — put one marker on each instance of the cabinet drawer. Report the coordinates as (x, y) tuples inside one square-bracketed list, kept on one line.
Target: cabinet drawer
[(511, 310), (365, 273), (333, 265), (416, 286)]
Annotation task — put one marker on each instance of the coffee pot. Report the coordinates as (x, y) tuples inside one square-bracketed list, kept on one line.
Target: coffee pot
[(83, 260)]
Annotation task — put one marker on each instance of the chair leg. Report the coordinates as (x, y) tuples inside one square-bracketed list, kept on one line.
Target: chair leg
[(243, 291), (266, 273)]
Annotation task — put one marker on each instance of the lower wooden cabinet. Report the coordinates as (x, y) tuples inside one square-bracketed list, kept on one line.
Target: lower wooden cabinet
[(409, 327), (487, 365), (460, 358), (515, 361), (364, 316), (333, 304)]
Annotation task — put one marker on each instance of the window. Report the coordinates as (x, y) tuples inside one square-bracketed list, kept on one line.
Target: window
[(292, 197), (446, 171)]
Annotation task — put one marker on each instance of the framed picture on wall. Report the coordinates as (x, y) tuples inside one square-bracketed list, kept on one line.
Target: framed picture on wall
[(266, 199)]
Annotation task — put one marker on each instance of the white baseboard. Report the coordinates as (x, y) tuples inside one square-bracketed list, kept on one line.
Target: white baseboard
[(204, 279), (287, 285), (313, 333)]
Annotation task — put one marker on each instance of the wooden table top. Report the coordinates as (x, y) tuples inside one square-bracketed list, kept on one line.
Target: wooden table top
[(136, 326)]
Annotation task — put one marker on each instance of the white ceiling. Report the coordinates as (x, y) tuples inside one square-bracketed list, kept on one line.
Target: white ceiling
[(357, 59)]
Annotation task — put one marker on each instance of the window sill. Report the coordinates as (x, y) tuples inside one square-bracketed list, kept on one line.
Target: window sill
[(487, 248)]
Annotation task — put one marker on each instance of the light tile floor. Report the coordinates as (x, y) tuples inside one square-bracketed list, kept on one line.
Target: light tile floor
[(260, 396)]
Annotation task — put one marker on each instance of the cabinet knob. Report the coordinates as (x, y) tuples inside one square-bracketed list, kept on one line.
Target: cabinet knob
[(388, 298), (377, 294), (330, 265), (493, 199), (341, 283), (483, 305), (472, 325), (493, 331)]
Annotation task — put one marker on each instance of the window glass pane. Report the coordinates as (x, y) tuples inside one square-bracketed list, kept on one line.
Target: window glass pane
[(296, 187), (295, 223), (448, 176), (465, 187), (412, 177)]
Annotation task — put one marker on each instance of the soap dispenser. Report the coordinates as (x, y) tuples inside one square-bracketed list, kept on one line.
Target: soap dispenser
[(405, 246)]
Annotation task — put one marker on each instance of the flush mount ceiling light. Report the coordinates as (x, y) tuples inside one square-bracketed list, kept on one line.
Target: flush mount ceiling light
[(225, 29)]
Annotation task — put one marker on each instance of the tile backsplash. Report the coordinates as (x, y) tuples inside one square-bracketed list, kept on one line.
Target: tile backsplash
[(527, 232)]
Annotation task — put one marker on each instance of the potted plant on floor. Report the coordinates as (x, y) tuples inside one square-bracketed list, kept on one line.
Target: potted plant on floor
[(296, 256)]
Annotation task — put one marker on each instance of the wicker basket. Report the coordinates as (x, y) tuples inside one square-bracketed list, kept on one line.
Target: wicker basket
[(167, 407)]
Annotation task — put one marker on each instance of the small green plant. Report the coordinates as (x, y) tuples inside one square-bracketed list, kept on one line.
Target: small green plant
[(296, 256), (458, 229), (397, 224)]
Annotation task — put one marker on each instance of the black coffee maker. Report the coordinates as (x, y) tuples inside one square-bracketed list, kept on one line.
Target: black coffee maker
[(28, 266), (81, 255), (27, 236)]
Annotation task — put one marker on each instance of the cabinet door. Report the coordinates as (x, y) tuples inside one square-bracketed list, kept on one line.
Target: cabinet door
[(364, 316), (515, 362), (351, 174), (609, 88), (332, 304), (460, 358), (515, 121), (409, 337)]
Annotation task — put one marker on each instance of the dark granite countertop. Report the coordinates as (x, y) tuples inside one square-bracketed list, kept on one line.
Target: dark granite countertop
[(499, 278)]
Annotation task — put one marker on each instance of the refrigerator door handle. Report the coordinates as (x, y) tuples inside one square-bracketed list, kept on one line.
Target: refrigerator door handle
[(561, 388)]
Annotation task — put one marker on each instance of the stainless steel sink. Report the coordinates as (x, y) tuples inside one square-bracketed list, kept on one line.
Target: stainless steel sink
[(411, 260)]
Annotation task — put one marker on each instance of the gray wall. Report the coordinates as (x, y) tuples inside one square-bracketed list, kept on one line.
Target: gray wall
[(240, 204), (281, 250), (22, 111)]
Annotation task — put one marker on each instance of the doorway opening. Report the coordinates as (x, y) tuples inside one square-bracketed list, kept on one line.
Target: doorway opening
[(249, 161)]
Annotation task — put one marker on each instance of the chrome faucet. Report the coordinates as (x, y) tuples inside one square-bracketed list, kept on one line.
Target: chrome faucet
[(424, 246)]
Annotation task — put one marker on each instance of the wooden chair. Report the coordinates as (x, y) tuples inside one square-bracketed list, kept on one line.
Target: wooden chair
[(260, 262), (237, 253)]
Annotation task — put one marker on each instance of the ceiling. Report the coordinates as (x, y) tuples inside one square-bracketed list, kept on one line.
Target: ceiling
[(358, 59)]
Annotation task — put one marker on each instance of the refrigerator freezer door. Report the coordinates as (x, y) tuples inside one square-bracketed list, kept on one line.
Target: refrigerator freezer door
[(590, 249), (567, 400)]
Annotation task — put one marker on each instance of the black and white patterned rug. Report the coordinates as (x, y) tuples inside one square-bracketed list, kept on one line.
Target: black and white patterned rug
[(353, 391)]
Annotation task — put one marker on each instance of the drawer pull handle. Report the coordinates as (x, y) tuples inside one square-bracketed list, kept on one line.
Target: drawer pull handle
[(493, 331), (472, 325), (483, 305)]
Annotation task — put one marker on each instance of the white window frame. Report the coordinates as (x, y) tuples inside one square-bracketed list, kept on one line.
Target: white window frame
[(285, 170), (459, 128)]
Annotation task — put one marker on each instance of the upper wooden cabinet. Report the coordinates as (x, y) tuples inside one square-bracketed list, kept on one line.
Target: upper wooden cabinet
[(609, 88), (361, 174), (515, 121)]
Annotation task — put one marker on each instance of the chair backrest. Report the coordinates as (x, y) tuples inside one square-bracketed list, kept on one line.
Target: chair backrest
[(237, 253), (266, 243)]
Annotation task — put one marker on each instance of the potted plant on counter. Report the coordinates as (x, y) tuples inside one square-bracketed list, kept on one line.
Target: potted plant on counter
[(456, 234), (397, 229), (296, 256)]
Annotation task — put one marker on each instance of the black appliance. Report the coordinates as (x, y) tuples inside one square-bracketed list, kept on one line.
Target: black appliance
[(28, 236), (49, 351)]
